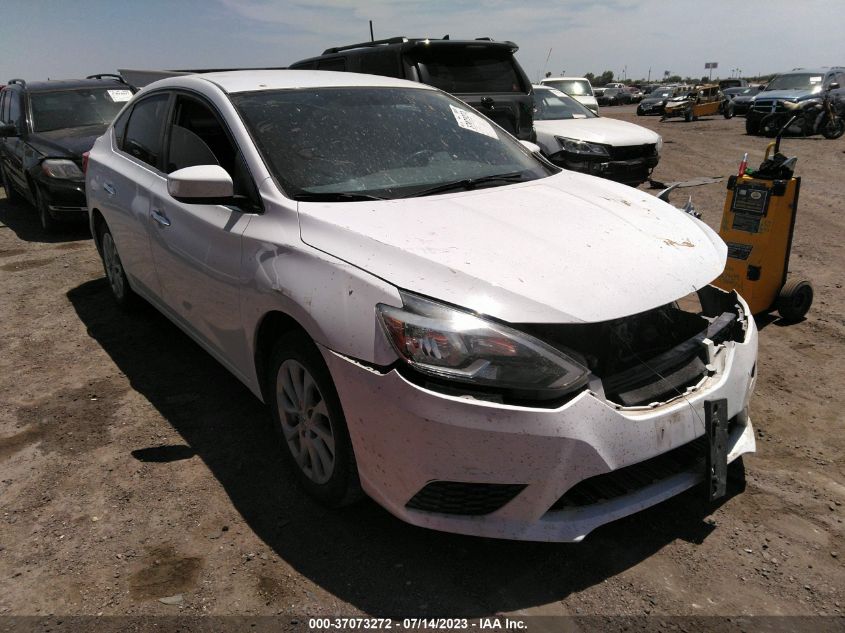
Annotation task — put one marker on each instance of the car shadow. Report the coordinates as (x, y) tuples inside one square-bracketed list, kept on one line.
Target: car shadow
[(360, 554), (23, 220)]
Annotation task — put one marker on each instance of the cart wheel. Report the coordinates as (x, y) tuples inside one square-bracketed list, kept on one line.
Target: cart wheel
[(795, 299)]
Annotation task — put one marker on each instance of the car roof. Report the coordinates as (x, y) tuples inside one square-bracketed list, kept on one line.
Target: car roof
[(813, 71), (237, 81), (69, 84), (563, 77)]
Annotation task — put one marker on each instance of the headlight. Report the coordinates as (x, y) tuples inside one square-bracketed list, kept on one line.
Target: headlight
[(450, 344), (61, 168), (582, 147)]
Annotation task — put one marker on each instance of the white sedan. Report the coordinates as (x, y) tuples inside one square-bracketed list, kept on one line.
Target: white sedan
[(435, 316), (573, 137)]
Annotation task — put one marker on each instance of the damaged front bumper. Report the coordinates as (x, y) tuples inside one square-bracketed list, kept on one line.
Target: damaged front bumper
[(631, 171), (471, 466)]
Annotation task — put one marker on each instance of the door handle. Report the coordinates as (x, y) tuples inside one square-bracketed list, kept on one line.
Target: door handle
[(159, 217), (109, 188)]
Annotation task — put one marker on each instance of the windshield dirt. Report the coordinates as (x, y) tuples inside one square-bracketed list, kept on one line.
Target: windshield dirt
[(348, 143), (61, 109)]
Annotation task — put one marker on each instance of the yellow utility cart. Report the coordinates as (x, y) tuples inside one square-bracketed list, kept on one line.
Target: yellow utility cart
[(758, 223)]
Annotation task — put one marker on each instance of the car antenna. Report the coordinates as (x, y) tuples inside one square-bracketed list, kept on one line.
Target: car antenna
[(372, 37)]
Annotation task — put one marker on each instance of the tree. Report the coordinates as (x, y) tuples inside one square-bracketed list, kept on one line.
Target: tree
[(590, 77), (606, 78)]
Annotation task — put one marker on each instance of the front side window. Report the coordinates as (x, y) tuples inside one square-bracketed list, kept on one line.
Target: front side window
[(385, 142), (61, 109), (468, 71), (197, 137), (550, 105), (144, 130)]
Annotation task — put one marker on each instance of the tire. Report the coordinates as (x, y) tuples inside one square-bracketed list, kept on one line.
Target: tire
[(309, 422), (12, 194), (833, 129), (688, 116), (728, 111), (752, 127), (795, 299), (640, 111), (122, 293), (770, 125), (49, 224)]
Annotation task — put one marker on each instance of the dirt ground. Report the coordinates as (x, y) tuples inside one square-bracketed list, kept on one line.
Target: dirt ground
[(133, 467)]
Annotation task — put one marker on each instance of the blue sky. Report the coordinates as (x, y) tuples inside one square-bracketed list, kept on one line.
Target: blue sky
[(71, 38)]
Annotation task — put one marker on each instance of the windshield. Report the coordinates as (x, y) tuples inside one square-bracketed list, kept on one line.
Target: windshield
[(551, 105), (462, 71), (660, 94), (797, 81), (574, 87), (384, 142), (61, 109)]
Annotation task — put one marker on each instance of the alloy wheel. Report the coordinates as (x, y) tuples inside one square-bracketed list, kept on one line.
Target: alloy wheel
[(114, 269), (305, 421)]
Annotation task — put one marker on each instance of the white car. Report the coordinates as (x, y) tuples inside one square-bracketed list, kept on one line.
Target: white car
[(579, 88), (434, 315), (573, 137)]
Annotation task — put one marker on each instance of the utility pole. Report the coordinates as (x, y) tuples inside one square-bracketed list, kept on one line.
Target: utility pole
[(649, 76)]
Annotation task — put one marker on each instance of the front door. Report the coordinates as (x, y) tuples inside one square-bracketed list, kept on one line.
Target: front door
[(197, 247)]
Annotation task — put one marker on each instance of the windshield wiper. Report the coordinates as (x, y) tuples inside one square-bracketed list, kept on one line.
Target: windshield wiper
[(467, 183), (333, 196)]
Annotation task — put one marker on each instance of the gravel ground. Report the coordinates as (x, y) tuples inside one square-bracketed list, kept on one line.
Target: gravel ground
[(133, 467)]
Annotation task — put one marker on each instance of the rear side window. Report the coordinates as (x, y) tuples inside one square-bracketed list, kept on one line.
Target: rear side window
[(337, 63), (4, 100), (120, 127), (144, 130), (471, 71), (381, 64)]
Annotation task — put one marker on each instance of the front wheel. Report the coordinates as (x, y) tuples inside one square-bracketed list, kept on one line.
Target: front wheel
[(728, 111), (309, 422), (49, 224), (833, 128), (12, 194)]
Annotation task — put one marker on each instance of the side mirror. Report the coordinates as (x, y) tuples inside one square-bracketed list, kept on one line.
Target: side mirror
[(531, 147), (201, 184), (834, 85), (8, 130)]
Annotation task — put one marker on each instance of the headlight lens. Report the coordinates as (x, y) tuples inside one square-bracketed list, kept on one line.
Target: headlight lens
[(61, 168), (582, 147), (447, 343)]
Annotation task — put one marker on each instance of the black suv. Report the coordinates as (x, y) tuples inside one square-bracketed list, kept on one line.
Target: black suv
[(45, 127), (483, 73)]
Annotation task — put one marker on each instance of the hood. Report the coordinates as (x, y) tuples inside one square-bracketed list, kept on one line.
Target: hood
[(648, 99), (792, 95), (595, 130), (564, 249), (67, 142)]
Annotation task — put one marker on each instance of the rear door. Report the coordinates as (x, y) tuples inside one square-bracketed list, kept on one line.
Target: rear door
[(197, 247), (486, 77), (120, 185)]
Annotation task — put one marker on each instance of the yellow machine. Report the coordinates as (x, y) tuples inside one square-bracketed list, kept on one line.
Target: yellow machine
[(757, 224)]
